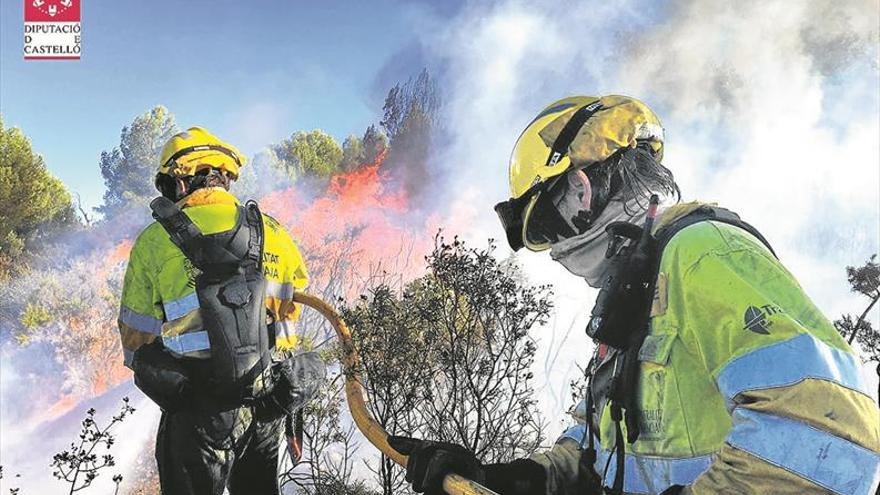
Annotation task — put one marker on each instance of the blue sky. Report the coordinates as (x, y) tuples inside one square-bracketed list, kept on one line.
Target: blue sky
[(253, 72)]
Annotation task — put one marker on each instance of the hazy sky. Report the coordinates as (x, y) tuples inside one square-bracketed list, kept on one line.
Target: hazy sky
[(253, 72)]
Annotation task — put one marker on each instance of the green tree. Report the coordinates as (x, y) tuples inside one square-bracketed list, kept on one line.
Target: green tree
[(410, 118), (129, 170), (864, 280), (375, 143), (309, 154), (360, 151), (33, 201), (352, 153)]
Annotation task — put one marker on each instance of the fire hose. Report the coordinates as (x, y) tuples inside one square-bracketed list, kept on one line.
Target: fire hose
[(453, 484)]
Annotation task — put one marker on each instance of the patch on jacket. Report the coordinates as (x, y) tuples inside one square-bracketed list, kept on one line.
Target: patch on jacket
[(660, 302), (656, 347), (651, 409), (757, 319)]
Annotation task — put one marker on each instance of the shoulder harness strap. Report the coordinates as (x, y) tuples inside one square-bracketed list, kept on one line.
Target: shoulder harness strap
[(254, 220), (703, 214), (184, 233)]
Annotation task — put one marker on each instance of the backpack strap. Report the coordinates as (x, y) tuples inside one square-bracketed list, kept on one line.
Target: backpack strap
[(703, 214), (184, 233), (254, 220)]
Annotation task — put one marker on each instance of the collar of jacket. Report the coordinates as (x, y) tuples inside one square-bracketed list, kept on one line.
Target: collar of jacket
[(208, 196)]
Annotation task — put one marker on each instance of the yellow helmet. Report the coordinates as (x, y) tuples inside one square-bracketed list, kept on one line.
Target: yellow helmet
[(195, 149), (573, 132)]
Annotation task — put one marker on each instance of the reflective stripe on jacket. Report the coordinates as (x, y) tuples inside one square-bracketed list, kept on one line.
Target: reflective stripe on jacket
[(158, 295), (745, 387)]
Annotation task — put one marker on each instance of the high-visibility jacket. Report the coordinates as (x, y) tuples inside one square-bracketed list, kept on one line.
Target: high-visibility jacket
[(158, 295), (744, 387)]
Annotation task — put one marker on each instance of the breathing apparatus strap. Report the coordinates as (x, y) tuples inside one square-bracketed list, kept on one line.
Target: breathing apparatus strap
[(588, 480), (703, 214), (212, 252), (180, 228), (255, 242), (619, 450)]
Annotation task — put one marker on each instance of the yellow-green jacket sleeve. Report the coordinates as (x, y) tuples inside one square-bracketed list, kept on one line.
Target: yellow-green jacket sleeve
[(802, 418), (140, 313), (286, 273)]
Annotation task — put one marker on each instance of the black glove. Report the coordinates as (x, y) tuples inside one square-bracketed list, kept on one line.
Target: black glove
[(429, 462), (520, 477), (297, 380), (673, 490), (161, 376)]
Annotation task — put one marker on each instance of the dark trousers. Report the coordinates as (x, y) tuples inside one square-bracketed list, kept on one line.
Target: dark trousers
[(202, 453)]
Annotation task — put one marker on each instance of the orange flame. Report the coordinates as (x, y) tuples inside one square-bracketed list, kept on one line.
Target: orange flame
[(120, 252), (361, 216)]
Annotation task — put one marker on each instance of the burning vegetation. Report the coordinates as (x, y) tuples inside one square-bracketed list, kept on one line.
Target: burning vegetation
[(355, 225)]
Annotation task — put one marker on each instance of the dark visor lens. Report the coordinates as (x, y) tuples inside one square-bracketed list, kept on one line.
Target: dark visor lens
[(510, 214), (546, 224)]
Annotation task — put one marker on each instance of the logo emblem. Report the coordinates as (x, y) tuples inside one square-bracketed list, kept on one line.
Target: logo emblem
[(757, 319), (52, 29), (50, 7)]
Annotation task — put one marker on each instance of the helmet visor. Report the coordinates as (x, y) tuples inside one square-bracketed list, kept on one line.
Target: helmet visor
[(510, 213), (560, 212)]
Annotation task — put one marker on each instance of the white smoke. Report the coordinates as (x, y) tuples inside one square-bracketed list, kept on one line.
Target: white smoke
[(256, 125), (28, 446), (771, 109)]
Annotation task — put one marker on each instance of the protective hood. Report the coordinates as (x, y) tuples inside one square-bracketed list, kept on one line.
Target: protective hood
[(584, 255)]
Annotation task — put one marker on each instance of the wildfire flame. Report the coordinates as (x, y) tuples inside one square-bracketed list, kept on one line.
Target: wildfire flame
[(120, 252), (363, 215)]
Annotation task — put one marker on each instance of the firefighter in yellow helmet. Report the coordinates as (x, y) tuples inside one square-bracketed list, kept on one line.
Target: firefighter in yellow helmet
[(713, 371), (207, 325)]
